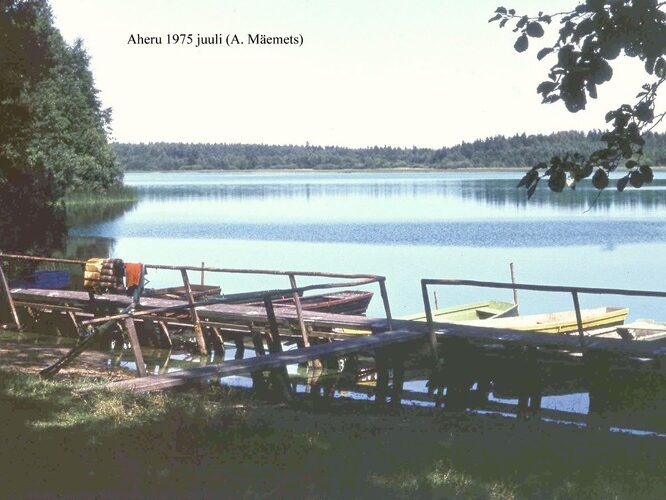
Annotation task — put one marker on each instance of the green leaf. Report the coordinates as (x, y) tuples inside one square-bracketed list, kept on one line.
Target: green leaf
[(495, 18), (534, 30), (644, 112), (501, 10), (636, 179), (622, 183), (648, 175), (546, 87), (521, 43), (544, 52), (600, 179)]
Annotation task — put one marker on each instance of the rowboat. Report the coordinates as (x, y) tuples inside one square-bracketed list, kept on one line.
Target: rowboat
[(558, 322), (343, 302), (179, 292), (465, 312), (469, 312), (353, 302), (643, 329)]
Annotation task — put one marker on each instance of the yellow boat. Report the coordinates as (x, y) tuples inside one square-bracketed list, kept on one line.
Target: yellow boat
[(489, 309), (455, 314), (558, 322)]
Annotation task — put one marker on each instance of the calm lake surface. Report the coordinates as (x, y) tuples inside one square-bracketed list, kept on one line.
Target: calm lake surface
[(405, 226)]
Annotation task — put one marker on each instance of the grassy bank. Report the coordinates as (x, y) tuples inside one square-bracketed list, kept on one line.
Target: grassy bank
[(222, 442), (113, 196)]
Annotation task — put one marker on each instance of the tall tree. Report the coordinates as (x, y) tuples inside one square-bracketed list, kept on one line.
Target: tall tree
[(591, 36), (53, 130)]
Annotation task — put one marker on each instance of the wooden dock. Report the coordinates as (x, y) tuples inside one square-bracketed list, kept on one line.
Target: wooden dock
[(321, 335), (269, 361)]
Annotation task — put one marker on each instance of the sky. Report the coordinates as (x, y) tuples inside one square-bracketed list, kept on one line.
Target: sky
[(425, 73)]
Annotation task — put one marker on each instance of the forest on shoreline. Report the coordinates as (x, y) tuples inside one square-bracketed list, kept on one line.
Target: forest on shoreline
[(518, 151)]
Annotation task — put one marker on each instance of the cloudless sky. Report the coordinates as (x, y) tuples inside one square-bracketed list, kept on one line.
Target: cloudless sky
[(370, 72)]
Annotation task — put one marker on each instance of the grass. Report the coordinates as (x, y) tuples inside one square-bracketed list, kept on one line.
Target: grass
[(221, 442), (115, 195)]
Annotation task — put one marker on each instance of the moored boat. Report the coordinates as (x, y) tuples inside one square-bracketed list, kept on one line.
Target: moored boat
[(353, 302), (558, 322), (465, 312), (468, 312)]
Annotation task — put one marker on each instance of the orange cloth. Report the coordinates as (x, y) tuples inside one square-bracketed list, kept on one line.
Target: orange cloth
[(132, 274)]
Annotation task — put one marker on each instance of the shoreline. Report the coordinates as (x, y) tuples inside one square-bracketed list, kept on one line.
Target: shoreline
[(334, 170), (426, 170)]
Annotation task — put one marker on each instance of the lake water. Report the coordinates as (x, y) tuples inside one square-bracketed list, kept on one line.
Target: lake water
[(405, 226)]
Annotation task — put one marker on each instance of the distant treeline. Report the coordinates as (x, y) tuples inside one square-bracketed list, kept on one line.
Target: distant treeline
[(519, 151)]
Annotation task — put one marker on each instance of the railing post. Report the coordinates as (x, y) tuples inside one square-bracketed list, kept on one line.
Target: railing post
[(202, 272), (198, 331), (513, 282), (579, 318), (432, 337), (136, 347), (10, 300), (385, 300), (276, 343), (299, 311)]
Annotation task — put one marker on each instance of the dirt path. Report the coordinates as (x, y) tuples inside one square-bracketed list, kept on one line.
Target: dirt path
[(32, 358)]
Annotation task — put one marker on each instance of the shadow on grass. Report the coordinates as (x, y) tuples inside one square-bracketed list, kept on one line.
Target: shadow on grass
[(219, 441)]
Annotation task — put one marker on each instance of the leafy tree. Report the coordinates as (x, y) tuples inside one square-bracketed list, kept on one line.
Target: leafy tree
[(53, 131), (591, 36), (498, 152)]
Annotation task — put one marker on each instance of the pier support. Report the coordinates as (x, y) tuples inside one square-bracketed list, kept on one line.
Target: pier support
[(8, 298), (198, 331)]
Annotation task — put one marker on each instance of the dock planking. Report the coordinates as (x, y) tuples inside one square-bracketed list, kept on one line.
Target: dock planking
[(235, 313), (267, 362), (244, 315)]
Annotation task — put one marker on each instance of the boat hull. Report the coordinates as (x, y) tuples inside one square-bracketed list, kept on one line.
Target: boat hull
[(559, 322)]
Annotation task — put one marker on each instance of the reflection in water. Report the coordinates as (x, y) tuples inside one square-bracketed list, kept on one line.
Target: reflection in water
[(532, 234), (406, 226), (35, 230), (31, 229), (492, 192)]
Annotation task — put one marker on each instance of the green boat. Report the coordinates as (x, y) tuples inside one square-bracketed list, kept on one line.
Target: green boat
[(489, 309)]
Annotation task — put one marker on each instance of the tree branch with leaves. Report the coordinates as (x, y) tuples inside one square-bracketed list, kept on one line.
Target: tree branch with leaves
[(591, 36)]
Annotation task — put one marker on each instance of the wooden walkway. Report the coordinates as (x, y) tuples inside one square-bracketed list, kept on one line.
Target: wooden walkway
[(248, 315), (233, 313), (267, 362)]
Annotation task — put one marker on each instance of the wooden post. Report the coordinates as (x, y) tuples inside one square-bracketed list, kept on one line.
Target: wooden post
[(299, 311), (385, 299), (258, 343), (276, 344), (301, 322), (381, 363), (579, 319), (398, 377), (279, 376), (198, 331), (432, 336), (136, 348), (218, 341), (513, 282), (165, 333), (202, 273), (240, 346), (10, 300)]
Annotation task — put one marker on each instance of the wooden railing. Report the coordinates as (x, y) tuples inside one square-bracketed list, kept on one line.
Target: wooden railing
[(573, 290)]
